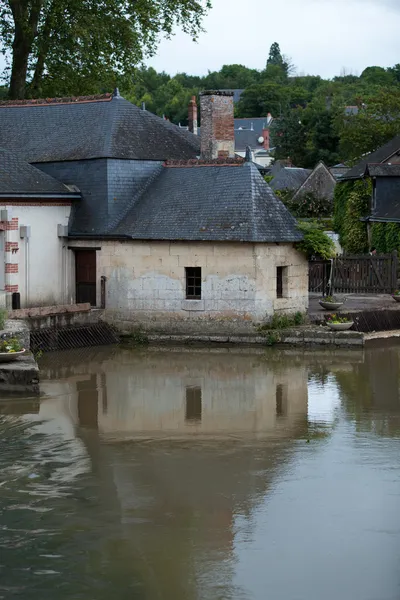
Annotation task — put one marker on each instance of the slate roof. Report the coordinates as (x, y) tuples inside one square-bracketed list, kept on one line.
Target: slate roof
[(379, 156), (258, 124), (18, 178), (289, 178), (245, 138), (211, 203), (103, 127), (338, 171), (384, 170), (320, 182)]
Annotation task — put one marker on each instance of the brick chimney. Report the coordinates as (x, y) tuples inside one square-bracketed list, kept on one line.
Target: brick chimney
[(217, 125), (192, 116), (266, 138)]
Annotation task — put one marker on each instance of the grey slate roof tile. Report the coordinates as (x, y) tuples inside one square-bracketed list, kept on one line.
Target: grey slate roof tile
[(379, 156), (289, 178), (211, 203), (384, 170), (19, 177), (112, 128)]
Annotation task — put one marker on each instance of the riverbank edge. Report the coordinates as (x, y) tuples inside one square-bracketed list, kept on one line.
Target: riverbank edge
[(296, 336)]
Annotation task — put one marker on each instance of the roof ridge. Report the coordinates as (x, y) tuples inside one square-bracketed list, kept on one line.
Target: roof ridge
[(56, 101)]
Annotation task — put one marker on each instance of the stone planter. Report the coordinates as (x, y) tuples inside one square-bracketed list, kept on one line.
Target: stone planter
[(11, 356), (396, 297), (340, 326), (331, 305)]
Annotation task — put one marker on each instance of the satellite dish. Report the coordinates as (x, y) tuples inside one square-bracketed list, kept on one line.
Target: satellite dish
[(261, 139)]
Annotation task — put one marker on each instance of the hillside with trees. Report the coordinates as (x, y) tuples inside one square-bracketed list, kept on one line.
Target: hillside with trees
[(313, 120)]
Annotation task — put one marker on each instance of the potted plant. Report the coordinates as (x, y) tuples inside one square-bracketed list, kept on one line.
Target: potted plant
[(330, 303), (339, 323), (10, 349), (396, 295)]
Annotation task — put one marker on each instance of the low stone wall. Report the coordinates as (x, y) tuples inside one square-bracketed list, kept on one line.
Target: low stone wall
[(299, 336), (46, 317)]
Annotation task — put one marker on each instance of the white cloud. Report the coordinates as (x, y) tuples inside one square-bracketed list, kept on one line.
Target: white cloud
[(321, 36)]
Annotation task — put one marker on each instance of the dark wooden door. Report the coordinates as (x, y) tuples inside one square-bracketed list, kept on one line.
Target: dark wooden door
[(85, 273)]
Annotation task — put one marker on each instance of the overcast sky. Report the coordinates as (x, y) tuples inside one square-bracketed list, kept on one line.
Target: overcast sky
[(322, 37)]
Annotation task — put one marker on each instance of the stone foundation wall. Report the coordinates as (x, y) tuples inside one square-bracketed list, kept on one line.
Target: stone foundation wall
[(146, 285)]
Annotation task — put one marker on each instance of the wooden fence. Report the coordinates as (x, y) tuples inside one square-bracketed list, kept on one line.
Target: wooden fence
[(363, 274)]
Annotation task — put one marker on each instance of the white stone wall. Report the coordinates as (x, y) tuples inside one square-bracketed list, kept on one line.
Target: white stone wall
[(146, 280), (38, 268)]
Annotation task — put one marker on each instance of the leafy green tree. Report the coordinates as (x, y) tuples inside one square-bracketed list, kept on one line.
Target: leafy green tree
[(289, 137), (260, 99), (373, 126), (377, 76), (73, 44)]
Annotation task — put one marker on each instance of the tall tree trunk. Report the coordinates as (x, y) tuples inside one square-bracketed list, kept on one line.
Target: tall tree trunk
[(21, 50), (44, 45), (26, 15)]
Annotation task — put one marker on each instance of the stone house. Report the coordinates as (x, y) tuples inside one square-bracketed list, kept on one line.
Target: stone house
[(320, 183), (288, 178), (162, 233)]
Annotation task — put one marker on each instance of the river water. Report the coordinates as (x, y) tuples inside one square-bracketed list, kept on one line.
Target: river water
[(203, 474)]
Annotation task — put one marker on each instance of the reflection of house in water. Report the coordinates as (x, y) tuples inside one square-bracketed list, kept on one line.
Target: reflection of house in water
[(226, 422), (184, 394)]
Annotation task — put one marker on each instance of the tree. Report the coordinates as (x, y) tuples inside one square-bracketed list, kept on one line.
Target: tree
[(86, 44), (374, 125), (260, 99), (377, 76), (276, 59), (289, 137), (275, 56), (315, 242)]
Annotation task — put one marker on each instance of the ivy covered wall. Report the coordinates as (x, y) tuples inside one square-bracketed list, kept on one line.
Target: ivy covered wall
[(352, 202)]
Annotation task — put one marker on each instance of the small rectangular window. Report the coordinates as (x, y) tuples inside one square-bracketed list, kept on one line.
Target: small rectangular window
[(282, 282), (193, 283), (279, 282), (193, 404)]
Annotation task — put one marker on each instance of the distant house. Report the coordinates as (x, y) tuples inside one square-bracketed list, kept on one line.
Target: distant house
[(180, 242), (289, 178), (389, 153), (320, 183), (254, 134)]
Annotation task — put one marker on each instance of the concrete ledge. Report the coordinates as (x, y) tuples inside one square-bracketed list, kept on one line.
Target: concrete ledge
[(301, 336), (21, 376)]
